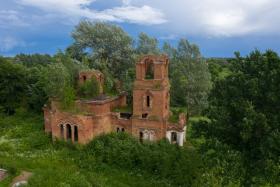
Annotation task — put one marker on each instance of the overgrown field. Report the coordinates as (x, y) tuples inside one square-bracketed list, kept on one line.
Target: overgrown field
[(111, 160)]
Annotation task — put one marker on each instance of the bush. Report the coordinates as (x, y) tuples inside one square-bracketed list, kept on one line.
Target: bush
[(89, 89), (163, 160), (68, 98)]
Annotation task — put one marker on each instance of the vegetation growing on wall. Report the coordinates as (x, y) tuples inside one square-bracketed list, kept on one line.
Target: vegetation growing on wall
[(89, 89)]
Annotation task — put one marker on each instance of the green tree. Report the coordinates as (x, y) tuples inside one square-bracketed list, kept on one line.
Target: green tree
[(170, 51), (13, 85), (33, 60), (68, 97), (72, 66), (107, 44), (55, 78), (146, 45), (244, 114), (190, 77), (36, 96), (89, 89)]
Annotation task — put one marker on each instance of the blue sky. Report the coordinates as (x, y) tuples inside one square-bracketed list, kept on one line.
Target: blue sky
[(219, 27)]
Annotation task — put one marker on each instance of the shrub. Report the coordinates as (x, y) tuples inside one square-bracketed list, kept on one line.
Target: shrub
[(163, 160), (90, 89), (68, 98)]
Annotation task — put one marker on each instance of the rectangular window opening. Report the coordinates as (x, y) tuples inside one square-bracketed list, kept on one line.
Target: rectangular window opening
[(145, 115)]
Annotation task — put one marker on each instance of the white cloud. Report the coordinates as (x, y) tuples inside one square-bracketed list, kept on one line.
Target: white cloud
[(211, 18), (126, 2), (8, 43), (10, 18), (168, 37), (218, 17), (144, 14), (76, 9)]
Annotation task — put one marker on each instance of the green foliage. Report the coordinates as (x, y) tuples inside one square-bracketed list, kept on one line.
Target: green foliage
[(189, 72), (111, 160), (146, 45), (73, 67), (13, 85), (223, 165), (55, 78), (176, 111), (244, 114), (89, 89), (219, 68), (109, 44), (36, 96), (236, 144), (68, 98), (33, 59), (179, 165)]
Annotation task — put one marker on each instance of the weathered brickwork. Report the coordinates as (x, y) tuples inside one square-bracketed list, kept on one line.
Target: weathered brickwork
[(148, 121)]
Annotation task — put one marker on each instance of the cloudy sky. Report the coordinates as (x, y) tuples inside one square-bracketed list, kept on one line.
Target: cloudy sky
[(219, 27)]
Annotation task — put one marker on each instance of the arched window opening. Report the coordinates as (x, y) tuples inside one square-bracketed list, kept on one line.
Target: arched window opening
[(173, 137), (141, 135), (68, 132), (123, 130), (118, 129), (148, 101), (61, 131), (76, 133), (84, 78), (149, 70)]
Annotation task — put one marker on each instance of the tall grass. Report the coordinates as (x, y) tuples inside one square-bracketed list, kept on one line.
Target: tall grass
[(109, 160)]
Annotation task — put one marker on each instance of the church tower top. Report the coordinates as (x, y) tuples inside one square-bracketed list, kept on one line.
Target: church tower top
[(152, 67)]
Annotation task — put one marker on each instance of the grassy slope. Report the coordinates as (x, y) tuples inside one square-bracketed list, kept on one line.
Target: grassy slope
[(24, 146)]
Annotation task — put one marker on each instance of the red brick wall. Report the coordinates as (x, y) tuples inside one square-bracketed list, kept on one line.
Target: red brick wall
[(96, 117), (159, 127), (118, 122), (87, 75)]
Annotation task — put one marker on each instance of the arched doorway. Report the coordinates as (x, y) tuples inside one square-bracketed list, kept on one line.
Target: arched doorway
[(173, 137), (76, 133), (68, 132), (141, 136)]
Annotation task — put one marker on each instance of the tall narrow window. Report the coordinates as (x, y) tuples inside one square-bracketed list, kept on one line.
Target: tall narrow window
[(148, 101), (174, 137), (61, 131), (68, 132), (84, 78), (141, 136), (149, 70), (76, 133)]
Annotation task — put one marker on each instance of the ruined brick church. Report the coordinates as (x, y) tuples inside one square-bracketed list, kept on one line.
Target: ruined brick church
[(149, 119)]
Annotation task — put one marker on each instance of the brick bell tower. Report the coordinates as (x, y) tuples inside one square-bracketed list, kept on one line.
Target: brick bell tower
[(151, 98)]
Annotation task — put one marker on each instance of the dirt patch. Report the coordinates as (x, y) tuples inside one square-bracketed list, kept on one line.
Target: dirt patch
[(3, 174), (21, 179)]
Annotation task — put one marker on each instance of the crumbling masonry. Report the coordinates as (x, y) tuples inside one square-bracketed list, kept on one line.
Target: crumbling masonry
[(148, 121)]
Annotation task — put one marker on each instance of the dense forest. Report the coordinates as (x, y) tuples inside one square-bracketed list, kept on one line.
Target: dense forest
[(232, 104)]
